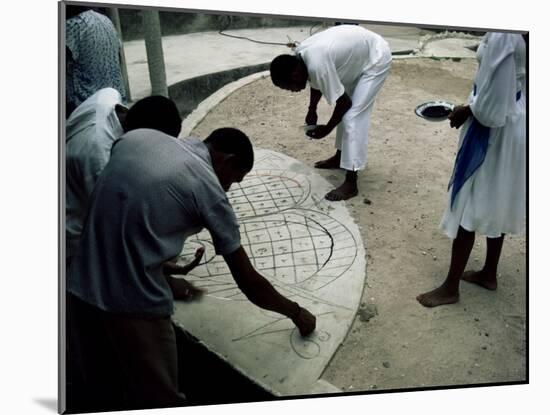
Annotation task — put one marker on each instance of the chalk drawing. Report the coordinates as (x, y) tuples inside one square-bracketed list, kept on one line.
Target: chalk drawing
[(292, 242)]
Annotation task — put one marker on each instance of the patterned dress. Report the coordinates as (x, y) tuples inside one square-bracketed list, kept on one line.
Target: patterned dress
[(94, 59)]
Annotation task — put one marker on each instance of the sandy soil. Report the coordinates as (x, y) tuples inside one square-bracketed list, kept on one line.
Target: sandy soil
[(394, 342)]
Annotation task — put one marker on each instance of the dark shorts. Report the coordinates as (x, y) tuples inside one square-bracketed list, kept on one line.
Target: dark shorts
[(117, 362)]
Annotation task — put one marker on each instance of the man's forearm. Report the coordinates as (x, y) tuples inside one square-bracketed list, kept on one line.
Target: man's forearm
[(256, 287), (314, 98), (261, 293), (343, 104)]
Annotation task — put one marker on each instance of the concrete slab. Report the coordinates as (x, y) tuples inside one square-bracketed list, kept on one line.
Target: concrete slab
[(448, 45), (191, 121), (196, 54), (310, 250), (402, 39), (450, 48)]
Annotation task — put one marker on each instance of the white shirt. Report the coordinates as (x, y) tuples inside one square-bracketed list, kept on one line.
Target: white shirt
[(500, 76), (337, 57), (91, 131)]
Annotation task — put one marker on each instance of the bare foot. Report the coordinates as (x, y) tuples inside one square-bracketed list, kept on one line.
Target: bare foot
[(330, 163), (481, 278), (439, 296), (344, 192)]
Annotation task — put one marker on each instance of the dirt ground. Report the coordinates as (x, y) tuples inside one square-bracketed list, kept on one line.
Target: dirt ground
[(394, 342)]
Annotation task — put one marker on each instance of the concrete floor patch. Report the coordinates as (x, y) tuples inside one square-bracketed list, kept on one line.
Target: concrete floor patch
[(311, 251)]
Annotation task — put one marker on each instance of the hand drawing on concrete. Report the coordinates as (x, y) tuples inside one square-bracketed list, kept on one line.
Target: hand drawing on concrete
[(306, 348), (293, 243)]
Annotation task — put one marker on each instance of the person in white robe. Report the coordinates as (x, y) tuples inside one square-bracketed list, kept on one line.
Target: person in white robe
[(347, 64), (487, 189)]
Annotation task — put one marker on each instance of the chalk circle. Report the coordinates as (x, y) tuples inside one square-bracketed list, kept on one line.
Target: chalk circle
[(304, 347), (434, 110)]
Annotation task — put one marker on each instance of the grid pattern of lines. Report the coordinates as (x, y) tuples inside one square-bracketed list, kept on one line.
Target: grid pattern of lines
[(299, 250), (265, 192), (291, 249)]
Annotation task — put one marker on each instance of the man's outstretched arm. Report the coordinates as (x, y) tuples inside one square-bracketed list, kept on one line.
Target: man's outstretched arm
[(261, 293)]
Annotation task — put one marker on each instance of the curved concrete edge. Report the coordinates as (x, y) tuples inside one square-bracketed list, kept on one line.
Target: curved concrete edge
[(223, 358), (187, 90), (198, 114), (322, 387), (264, 348), (214, 99), (465, 46)]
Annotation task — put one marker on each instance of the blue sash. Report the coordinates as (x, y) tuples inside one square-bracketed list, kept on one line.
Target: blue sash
[(471, 153)]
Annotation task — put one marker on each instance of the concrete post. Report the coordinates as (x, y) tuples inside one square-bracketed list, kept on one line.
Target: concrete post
[(155, 56), (115, 18)]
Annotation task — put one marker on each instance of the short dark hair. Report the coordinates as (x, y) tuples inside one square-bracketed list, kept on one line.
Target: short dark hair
[(232, 141), (155, 112), (281, 68)]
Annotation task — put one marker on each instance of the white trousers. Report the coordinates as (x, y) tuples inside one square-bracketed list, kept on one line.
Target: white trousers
[(353, 131)]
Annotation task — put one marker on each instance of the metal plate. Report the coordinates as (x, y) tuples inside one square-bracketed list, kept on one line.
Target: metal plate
[(434, 110)]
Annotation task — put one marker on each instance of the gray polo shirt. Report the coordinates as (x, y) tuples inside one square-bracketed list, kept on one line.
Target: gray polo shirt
[(155, 192)]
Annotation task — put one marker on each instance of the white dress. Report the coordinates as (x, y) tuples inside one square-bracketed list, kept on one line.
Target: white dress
[(492, 201), (92, 129)]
